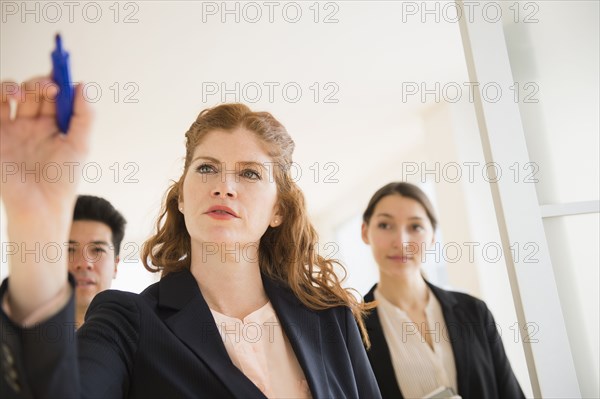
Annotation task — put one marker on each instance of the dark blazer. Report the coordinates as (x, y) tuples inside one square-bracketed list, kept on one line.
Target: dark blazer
[(164, 343), (482, 368)]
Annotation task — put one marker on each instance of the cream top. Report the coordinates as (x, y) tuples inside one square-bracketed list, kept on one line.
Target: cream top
[(258, 346), (419, 369)]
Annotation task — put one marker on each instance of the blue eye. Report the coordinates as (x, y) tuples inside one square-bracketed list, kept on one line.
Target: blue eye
[(250, 174), (205, 168)]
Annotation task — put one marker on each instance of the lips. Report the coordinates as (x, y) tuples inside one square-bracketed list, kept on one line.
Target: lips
[(399, 258), (85, 282), (221, 211)]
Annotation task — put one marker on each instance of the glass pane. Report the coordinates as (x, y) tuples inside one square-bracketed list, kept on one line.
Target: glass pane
[(573, 243), (554, 53)]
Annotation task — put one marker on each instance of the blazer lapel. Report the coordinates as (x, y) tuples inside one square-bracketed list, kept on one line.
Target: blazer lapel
[(303, 329), (379, 353), (459, 336), (195, 326)]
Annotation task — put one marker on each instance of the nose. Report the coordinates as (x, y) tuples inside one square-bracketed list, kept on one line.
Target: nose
[(225, 188), (82, 261), (402, 239), (86, 265), (398, 239)]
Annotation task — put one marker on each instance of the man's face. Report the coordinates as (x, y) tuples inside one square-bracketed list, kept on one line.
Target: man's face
[(91, 259)]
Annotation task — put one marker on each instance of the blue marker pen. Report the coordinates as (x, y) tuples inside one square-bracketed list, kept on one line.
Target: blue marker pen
[(61, 74)]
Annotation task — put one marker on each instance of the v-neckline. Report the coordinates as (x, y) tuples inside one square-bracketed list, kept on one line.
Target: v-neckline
[(404, 316)]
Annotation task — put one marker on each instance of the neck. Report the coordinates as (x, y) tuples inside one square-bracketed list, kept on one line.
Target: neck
[(230, 281), (80, 315), (408, 290)]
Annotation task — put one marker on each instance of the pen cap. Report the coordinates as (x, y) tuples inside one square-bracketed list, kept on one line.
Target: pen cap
[(61, 75)]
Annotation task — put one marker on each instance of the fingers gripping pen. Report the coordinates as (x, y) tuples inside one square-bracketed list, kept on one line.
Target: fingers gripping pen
[(61, 74)]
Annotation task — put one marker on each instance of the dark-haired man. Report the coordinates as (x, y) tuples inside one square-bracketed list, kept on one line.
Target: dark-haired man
[(94, 244)]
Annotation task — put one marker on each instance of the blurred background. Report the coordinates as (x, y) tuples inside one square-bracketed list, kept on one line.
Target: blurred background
[(490, 107)]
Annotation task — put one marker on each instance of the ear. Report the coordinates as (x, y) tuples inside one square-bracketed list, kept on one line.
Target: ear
[(276, 219), (363, 231), (180, 204)]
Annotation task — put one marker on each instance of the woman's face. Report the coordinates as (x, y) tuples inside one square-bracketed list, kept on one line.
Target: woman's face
[(399, 232), (229, 191)]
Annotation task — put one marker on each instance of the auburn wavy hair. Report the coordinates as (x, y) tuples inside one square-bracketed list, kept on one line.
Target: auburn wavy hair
[(287, 253)]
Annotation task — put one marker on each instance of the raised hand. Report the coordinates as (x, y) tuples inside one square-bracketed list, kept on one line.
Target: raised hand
[(38, 186), (37, 160)]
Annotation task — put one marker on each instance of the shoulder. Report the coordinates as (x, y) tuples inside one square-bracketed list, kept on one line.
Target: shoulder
[(124, 298), (125, 303), (456, 297), (150, 293), (460, 302), (113, 304), (370, 296), (291, 309), (279, 291)]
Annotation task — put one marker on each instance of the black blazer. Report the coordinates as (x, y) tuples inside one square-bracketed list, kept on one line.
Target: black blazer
[(482, 368), (164, 343)]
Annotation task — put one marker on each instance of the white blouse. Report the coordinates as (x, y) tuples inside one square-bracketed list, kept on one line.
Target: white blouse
[(419, 369), (258, 347)]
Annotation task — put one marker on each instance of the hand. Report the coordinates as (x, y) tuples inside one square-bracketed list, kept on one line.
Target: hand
[(38, 189), (37, 160)]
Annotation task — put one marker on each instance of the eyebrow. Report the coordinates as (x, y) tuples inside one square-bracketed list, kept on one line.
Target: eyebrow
[(391, 217), (215, 160), (91, 243)]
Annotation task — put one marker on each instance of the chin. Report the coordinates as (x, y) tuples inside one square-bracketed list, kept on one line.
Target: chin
[(227, 238), (84, 301), (88, 291)]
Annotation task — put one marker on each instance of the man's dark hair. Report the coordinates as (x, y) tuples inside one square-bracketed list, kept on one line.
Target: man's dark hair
[(89, 207)]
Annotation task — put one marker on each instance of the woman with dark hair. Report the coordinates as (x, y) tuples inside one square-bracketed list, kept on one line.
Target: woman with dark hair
[(425, 341), (245, 307)]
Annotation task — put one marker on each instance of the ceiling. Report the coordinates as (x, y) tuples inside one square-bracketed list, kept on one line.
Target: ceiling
[(336, 86)]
